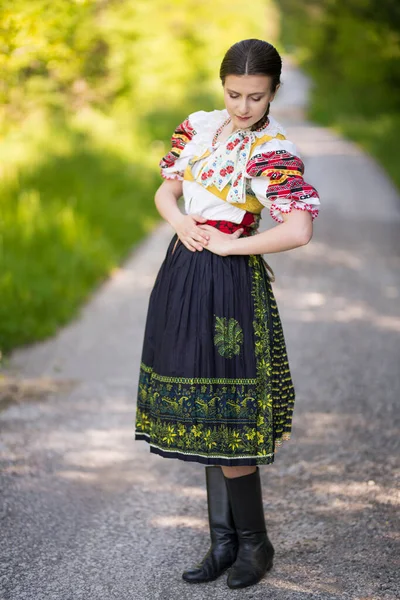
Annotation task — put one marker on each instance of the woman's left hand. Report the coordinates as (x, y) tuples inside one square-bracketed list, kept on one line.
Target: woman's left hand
[(219, 242)]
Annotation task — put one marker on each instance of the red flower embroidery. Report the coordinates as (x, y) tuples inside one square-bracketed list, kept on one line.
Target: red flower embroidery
[(230, 169), (222, 172)]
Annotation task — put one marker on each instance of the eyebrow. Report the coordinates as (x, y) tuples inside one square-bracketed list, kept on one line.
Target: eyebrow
[(253, 94)]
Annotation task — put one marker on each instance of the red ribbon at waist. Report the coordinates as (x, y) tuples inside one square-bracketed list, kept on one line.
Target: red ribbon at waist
[(229, 227)]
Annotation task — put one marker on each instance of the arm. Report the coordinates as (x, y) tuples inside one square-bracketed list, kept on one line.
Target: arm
[(294, 232), (186, 227), (172, 167), (166, 199)]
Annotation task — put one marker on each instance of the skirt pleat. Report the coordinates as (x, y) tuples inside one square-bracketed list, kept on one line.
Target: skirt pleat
[(214, 382)]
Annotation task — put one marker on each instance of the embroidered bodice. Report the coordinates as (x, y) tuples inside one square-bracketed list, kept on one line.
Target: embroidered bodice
[(247, 171)]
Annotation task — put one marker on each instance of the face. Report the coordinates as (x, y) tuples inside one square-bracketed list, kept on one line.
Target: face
[(247, 96)]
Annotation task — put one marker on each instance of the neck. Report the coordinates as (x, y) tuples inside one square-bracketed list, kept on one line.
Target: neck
[(237, 128)]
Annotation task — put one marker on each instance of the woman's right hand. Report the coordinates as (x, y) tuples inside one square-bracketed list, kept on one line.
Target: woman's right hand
[(189, 233)]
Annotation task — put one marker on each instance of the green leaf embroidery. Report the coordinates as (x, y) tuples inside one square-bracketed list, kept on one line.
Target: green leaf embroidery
[(228, 336)]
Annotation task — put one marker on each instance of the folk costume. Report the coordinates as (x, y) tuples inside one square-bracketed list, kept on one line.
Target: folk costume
[(215, 385)]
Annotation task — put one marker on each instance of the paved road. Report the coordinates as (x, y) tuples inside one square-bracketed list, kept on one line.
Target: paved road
[(87, 512)]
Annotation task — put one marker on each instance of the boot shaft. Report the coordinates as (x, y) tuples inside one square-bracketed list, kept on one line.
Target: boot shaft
[(245, 498), (219, 510)]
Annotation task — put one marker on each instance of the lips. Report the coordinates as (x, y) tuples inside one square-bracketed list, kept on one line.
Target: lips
[(244, 118)]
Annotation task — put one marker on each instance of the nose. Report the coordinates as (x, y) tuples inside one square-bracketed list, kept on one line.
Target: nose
[(243, 108)]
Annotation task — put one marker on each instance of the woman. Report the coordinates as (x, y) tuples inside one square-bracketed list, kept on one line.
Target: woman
[(215, 385)]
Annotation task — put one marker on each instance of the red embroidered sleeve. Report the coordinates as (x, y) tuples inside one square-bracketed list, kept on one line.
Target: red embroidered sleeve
[(287, 188), (181, 136)]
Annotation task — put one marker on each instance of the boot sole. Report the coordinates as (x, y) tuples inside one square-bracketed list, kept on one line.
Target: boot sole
[(206, 580), (237, 587)]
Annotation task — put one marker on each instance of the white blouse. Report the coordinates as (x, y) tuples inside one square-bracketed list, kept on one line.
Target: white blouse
[(201, 127)]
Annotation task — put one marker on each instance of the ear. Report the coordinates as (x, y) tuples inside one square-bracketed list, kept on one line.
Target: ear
[(273, 95)]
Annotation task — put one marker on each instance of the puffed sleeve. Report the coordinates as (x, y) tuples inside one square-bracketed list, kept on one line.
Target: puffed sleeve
[(173, 164), (277, 180)]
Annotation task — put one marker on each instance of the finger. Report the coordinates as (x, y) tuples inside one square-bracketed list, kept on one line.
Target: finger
[(189, 247), (194, 244), (197, 235), (237, 233), (206, 227), (200, 238)]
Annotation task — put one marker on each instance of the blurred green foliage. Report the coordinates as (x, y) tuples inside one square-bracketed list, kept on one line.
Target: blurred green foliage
[(90, 92), (135, 55), (351, 48)]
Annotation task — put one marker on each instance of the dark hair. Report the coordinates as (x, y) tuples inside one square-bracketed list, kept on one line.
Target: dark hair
[(252, 57)]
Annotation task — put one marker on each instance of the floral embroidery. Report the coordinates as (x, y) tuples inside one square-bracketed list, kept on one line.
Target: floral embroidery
[(228, 336), (234, 153), (207, 174), (227, 166)]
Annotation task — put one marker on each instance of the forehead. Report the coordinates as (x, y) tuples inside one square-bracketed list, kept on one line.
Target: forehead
[(248, 84)]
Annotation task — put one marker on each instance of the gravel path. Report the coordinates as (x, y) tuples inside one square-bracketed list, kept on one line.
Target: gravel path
[(87, 512)]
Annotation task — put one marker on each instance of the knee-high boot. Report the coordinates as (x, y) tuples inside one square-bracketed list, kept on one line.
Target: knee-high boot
[(255, 552), (222, 552)]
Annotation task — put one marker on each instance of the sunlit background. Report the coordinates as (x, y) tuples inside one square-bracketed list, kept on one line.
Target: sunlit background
[(90, 93)]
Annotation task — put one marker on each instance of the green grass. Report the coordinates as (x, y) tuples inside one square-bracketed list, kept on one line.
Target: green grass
[(70, 212), (76, 195)]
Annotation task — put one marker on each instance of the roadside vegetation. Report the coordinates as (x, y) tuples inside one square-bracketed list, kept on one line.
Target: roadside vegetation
[(89, 95), (352, 52)]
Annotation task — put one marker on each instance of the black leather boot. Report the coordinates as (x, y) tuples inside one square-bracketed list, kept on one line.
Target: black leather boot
[(222, 552), (255, 553)]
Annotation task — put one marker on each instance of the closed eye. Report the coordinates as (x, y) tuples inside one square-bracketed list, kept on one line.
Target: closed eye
[(234, 98)]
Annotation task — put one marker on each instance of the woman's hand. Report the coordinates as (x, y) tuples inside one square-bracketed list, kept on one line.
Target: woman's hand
[(189, 232), (219, 242)]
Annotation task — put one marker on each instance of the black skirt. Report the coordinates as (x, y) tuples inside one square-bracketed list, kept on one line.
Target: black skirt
[(214, 383)]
